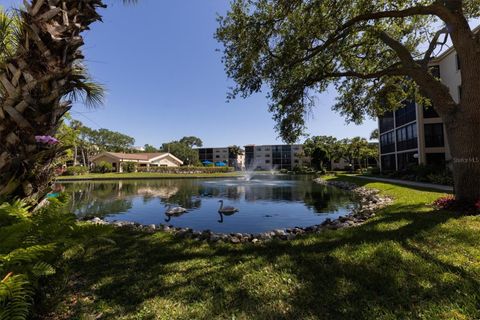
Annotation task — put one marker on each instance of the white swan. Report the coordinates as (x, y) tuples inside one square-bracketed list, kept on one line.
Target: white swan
[(226, 210), (174, 212)]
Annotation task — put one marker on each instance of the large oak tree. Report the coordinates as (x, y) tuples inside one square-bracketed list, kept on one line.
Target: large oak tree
[(376, 53)]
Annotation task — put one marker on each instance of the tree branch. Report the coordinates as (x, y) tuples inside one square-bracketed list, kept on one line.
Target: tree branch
[(433, 44)]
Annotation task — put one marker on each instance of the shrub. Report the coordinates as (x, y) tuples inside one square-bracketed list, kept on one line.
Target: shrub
[(450, 203), (184, 170), (129, 166), (444, 178), (34, 246), (103, 167), (76, 171), (446, 202), (373, 171)]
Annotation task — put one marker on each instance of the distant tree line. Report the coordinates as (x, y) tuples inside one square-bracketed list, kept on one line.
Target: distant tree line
[(356, 151), (82, 143)]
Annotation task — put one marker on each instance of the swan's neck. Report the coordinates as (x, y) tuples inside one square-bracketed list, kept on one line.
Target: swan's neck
[(221, 206)]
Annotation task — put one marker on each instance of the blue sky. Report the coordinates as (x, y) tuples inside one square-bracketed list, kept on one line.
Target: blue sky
[(165, 80)]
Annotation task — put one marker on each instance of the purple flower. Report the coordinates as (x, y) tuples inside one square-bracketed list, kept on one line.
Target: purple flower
[(46, 140)]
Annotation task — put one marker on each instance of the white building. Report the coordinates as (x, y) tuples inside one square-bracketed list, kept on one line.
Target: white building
[(415, 134), (275, 157), (140, 159)]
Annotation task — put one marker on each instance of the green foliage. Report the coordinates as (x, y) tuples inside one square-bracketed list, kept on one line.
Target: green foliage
[(150, 149), (192, 141), (129, 166), (423, 173), (370, 51), (103, 167), (184, 150), (76, 171), (33, 246), (187, 170), (321, 150)]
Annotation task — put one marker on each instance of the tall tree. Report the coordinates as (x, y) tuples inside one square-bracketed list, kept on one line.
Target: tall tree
[(150, 148), (183, 150), (321, 149), (192, 141), (40, 73), (376, 53)]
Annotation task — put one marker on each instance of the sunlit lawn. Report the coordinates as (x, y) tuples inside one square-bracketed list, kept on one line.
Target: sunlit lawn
[(409, 262)]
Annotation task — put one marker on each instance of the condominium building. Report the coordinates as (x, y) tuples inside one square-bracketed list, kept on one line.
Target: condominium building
[(416, 134), (223, 154), (276, 157)]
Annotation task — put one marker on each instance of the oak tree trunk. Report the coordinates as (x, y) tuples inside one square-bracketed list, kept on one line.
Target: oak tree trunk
[(463, 132)]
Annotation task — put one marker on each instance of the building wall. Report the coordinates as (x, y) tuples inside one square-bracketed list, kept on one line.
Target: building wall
[(274, 157), (165, 162), (222, 154), (431, 147)]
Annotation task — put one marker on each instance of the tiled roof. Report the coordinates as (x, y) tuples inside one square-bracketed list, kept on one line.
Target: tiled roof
[(136, 156)]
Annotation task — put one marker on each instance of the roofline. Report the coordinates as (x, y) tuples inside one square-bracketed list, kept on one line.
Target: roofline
[(164, 155), (102, 154), (451, 49), (138, 160)]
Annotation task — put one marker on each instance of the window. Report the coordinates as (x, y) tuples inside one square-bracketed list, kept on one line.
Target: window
[(406, 114), (434, 135), (429, 112), (407, 137), (217, 156), (435, 159), (406, 160), (267, 161), (387, 143), (259, 149), (386, 122), (267, 156), (388, 163)]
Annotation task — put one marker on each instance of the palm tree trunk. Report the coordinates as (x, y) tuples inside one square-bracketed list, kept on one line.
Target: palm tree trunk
[(33, 84), (75, 155), (84, 158)]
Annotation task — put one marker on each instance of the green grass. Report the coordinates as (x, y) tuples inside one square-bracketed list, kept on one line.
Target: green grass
[(409, 262), (146, 175)]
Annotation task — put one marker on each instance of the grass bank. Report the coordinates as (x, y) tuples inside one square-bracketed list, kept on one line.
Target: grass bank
[(146, 175), (409, 262)]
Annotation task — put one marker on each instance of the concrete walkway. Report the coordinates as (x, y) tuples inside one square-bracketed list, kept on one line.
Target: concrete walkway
[(411, 183)]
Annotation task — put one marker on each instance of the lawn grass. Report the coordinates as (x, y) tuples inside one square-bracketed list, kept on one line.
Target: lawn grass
[(146, 175), (409, 262)]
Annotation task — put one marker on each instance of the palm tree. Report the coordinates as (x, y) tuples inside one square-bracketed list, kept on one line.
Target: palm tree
[(40, 74), (234, 151)]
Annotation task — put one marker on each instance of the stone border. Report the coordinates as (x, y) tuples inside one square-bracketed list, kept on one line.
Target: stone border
[(370, 201)]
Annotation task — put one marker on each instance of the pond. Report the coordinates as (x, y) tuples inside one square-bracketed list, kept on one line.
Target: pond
[(264, 203)]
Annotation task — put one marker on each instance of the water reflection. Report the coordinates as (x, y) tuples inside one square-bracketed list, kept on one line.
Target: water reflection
[(264, 202)]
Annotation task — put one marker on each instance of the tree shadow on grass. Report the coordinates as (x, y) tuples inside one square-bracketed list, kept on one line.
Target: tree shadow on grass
[(380, 270)]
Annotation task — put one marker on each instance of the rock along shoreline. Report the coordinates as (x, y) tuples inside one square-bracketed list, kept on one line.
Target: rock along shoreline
[(370, 201)]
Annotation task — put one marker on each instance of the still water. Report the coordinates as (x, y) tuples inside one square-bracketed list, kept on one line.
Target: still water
[(264, 203)]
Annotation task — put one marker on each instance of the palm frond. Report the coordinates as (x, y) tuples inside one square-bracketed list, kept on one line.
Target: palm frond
[(84, 89), (10, 32)]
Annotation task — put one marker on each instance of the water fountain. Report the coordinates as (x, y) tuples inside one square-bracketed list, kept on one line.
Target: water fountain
[(249, 172)]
